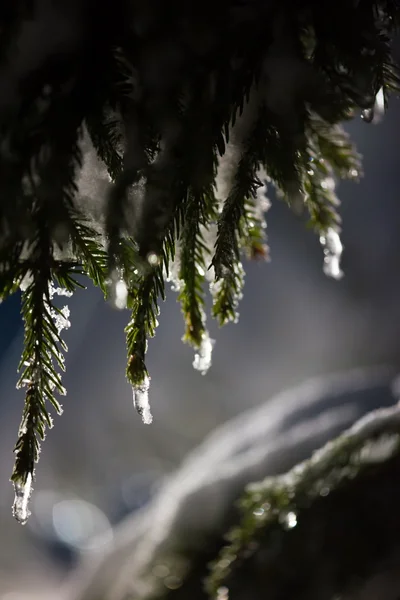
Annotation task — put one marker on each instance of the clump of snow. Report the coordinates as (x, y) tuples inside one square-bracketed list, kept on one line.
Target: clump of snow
[(141, 400), (333, 249), (202, 358)]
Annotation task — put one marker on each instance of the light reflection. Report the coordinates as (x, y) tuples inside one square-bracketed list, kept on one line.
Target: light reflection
[(81, 525)]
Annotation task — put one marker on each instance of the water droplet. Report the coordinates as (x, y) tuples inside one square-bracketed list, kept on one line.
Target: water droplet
[(367, 115), (290, 520), (153, 259), (172, 582), (160, 571), (118, 291), (21, 500), (324, 491), (328, 184), (353, 173), (259, 512)]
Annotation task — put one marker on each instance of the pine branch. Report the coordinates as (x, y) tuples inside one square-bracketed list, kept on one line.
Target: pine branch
[(169, 95), (282, 512), (253, 241), (87, 247), (200, 210), (105, 133), (142, 326), (42, 347), (227, 288)]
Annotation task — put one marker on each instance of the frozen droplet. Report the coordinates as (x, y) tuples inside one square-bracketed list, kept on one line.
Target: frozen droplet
[(141, 400), (118, 291), (153, 259), (367, 115), (328, 184), (259, 512), (375, 113), (121, 294), (290, 520), (203, 357), (223, 593), (21, 499), (353, 173), (333, 249), (379, 106)]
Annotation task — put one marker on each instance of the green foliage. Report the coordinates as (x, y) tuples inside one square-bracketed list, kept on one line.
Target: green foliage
[(293, 519), (172, 107), (193, 264)]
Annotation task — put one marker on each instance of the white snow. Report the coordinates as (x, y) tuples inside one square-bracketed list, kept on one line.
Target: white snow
[(202, 358), (141, 400), (333, 249)]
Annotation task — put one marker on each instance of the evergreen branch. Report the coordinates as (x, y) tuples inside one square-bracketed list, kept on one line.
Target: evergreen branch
[(329, 152), (333, 144), (162, 104), (274, 510), (106, 137), (12, 269), (253, 240), (42, 346), (142, 325), (229, 275), (143, 320), (200, 211), (87, 247)]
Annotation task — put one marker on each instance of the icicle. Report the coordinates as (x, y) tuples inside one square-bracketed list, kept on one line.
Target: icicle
[(333, 249), (21, 500), (118, 290), (202, 358), (375, 113), (141, 400), (222, 593), (379, 107)]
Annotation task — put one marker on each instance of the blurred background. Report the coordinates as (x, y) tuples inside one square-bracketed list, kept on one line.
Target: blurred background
[(100, 462)]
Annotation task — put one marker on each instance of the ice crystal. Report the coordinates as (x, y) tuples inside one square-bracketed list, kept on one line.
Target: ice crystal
[(21, 500), (333, 249), (141, 400)]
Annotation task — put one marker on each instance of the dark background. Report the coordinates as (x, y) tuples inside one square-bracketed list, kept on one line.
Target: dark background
[(294, 323)]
